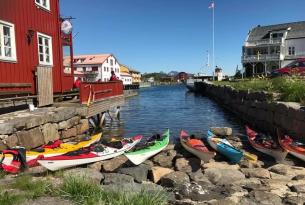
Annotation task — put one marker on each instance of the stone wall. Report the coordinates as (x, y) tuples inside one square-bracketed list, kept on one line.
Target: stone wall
[(259, 109), (32, 129)]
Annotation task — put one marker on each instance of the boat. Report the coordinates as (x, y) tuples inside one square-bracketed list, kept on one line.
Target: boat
[(139, 156), (199, 150), (224, 147), (81, 157), (61, 148), (294, 147), (266, 145)]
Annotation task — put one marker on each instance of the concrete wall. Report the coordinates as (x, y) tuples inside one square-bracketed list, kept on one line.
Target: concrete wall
[(32, 129), (259, 109)]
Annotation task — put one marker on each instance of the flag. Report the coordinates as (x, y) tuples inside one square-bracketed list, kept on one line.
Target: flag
[(211, 6)]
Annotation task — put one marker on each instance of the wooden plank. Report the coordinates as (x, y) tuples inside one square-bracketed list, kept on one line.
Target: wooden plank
[(15, 85), (14, 92), (45, 86), (105, 104)]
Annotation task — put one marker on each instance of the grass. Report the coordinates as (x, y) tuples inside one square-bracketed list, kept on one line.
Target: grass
[(2, 174), (9, 198), (82, 191), (291, 89)]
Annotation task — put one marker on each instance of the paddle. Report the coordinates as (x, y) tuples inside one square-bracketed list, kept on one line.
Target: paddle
[(247, 155)]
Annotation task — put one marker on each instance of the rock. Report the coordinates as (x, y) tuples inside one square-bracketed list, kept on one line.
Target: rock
[(298, 188), (31, 138), (158, 172), (222, 131), (256, 173), (299, 177), (69, 123), (279, 169), (294, 200), (113, 164), (164, 160), (47, 200), (296, 182), (279, 176), (169, 147), (249, 164), (223, 176), (149, 164), (139, 173), (96, 166), (134, 187), (91, 174), (72, 132), (12, 141), (34, 121), (247, 182), (7, 128), (277, 187), (199, 177), (83, 126), (175, 179), (2, 146), (63, 113), (188, 165), (220, 165), (117, 179), (194, 191), (36, 171), (266, 198), (50, 132)]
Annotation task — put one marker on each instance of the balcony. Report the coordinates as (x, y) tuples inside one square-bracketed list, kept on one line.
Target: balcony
[(260, 58), (276, 41)]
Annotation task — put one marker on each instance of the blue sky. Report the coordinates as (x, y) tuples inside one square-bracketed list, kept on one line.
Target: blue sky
[(165, 35)]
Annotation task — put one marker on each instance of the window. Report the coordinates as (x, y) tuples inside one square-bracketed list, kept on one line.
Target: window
[(67, 59), (43, 3), (105, 69), (291, 50), (84, 69), (45, 49), (7, 41), (95, 68), (111, 62)]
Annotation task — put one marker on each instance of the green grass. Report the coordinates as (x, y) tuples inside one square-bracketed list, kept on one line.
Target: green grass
[(2, 174), (82, 191), (291, 89), (7, 198)]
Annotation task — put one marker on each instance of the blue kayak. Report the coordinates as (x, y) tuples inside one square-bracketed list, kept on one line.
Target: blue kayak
[(224, 147)]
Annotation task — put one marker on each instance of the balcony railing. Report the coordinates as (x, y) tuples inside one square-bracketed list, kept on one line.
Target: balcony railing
[(260, 58), (265, 42)]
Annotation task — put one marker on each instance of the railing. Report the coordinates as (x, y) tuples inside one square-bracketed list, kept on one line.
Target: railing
[(90, 92), (265, 57), (265, 42)]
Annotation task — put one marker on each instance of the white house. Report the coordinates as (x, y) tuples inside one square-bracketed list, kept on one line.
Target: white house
[(97, 67), (126, 77), (270, 47)]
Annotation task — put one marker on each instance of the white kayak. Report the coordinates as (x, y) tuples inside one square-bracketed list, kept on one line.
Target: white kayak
[(66, 161)]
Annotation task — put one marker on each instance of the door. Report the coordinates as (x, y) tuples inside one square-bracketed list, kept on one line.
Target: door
[(45, 86)]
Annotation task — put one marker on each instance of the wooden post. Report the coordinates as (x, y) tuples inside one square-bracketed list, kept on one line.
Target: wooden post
[(102, 119), (117, 113)]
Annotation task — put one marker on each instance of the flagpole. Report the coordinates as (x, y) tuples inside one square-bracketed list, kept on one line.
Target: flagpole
[(213, 66)]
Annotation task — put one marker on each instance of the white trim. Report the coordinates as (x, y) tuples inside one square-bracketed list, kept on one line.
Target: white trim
[(47, 7), (44, 62), (12, 41)]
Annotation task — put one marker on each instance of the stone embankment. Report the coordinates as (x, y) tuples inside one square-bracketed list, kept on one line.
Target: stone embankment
[(189, 181), (32, 129), (260, 109)]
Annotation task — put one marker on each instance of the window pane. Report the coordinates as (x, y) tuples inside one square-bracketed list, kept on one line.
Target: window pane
[(40, 49), (41, 57), (6, 31), (7, 41), (44, 3), (40, 40), (38, 1), (67, 59), (47, 50), (47, 58), (8, 52), (0, 45), (46, 42)]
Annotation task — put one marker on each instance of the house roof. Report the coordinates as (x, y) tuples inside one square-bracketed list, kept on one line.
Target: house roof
[(91, 59), (124, 69), (297, 30)]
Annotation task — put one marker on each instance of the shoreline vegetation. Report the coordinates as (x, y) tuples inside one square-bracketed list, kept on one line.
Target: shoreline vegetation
[(290, 89)]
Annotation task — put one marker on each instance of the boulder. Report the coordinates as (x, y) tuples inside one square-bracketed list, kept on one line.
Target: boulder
[(223, 176), (63, 113), (91, 174), (222, 131), (249, 164), (247, 182), (50, 132), (114, 164), (220, 165), (165, 159), (139, 173), (158, 172), (299, 177), (298, 188), (31, 138), (34, 121), (7, 128), (134, 187), (199, 177), (12, 141), (117, 179), (280, 169), (175, 179), (256, 173), (266, 198), (69, 123), (68, 133), (294, 200), (83, 126), (188, 165), (96, 166)]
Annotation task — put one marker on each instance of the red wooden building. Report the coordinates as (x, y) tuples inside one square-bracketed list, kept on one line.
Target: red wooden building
[(32, 46)]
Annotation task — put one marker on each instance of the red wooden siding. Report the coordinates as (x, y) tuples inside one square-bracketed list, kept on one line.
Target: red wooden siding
[(25, 15), (98, 91)]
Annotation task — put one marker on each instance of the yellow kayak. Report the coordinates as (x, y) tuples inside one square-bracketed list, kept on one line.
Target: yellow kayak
[(62, 149)]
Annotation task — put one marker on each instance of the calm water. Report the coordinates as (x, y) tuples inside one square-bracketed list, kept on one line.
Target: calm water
[(158, 108)]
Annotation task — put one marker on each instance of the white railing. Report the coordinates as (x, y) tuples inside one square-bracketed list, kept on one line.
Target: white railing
[(266, 57), (265, 42)]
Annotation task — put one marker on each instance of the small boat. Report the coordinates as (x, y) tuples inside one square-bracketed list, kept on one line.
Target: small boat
[(199, 149), (224, 147), (140, 155), (266, 145), (294, 148), (87, 156), (49, 150)]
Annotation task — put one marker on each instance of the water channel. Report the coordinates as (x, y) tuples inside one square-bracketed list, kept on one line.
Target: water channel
[(173, 107)]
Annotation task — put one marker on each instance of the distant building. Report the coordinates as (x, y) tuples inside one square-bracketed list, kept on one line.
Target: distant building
[(270, 47), (218, 74), (136, 76), (182, 77), (125, 75), (97, 67), (151, 79)]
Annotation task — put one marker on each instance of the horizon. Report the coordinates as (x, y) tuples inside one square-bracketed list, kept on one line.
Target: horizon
[(153, 36)]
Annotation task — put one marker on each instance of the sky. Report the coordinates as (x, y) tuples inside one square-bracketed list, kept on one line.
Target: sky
[(166, 35)]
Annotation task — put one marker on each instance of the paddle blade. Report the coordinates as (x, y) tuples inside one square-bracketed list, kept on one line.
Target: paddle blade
[(250, 157)]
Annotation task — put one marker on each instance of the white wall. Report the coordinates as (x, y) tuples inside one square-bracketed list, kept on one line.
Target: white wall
[(299, 45), (105, 75), (127, 79)]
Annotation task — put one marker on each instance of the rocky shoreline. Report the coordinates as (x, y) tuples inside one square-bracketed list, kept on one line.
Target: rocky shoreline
[(189, 181)]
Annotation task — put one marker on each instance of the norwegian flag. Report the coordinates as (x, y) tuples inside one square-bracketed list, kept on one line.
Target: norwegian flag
[(212, 5)]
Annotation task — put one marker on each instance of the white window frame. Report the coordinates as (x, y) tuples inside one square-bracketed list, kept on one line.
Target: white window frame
[(39, 3), (44, 62), (13, 56)]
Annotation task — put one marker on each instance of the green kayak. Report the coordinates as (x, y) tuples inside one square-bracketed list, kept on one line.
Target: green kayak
[(139, 156)]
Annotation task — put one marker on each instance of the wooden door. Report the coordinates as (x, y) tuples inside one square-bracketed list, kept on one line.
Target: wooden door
[(45, 86)]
